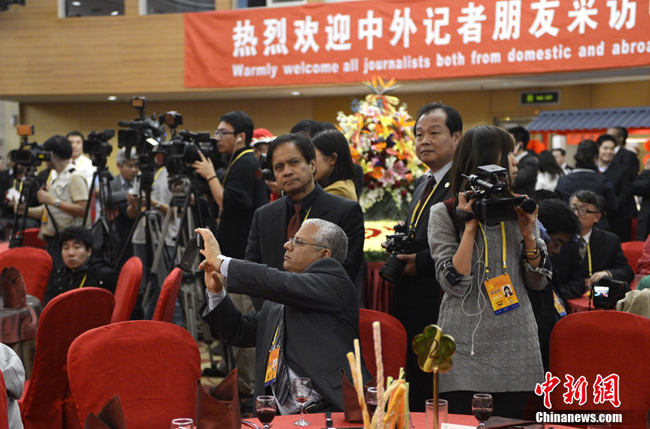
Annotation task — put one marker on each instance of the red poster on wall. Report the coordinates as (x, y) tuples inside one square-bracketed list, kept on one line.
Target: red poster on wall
[(412, 40)]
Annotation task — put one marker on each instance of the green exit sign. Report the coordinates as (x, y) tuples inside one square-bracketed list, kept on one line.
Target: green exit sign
[(546, 97)]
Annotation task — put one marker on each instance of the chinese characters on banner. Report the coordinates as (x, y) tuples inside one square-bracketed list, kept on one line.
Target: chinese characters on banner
[(412, 40)]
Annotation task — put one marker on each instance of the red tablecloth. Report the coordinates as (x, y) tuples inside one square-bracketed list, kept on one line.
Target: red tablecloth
[(318, 421), (378, 293), (19, 324)]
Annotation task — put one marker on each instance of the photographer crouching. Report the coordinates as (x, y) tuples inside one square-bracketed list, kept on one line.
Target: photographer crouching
[(482, 242)]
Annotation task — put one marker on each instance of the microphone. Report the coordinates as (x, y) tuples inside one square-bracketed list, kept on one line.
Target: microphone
[(529, 206)]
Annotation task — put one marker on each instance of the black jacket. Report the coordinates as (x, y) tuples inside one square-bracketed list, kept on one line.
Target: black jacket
[(94, 273)]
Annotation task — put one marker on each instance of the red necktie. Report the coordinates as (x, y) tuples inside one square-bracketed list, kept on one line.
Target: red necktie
[(294, 222), (427, 191)]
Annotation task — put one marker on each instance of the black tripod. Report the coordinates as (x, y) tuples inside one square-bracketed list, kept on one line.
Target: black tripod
[(101, 228), (30, 184)]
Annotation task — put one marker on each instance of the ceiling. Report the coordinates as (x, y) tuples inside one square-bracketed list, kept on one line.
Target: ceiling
[(444, 85)]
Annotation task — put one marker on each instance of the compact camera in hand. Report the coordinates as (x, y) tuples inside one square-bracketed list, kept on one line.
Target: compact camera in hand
[(607, 291)]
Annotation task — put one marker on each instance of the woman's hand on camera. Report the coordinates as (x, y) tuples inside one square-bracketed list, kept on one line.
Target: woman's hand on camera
[(204, 167), (465, 204), (527, 223)]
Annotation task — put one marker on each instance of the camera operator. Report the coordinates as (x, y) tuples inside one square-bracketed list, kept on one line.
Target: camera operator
[(238, 193), (161, 198), (120, 187), (474, 261), (63, 201), (11, 187), (416, 295)]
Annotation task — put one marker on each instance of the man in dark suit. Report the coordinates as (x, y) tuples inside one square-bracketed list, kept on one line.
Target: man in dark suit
[(528, 163), (623, 156), (621, 178), (120, 187), (308, 321), (416, 294), (600, 250), (293, 162)]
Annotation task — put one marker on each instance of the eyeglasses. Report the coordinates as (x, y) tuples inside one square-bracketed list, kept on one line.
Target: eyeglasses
[(583, 210), (221, 133), (298, 242)]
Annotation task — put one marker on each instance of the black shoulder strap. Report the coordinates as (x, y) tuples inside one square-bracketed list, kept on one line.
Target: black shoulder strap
[(452, 213)]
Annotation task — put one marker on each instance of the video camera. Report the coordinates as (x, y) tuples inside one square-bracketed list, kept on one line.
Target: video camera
[(183, 150), (142, 133), (607, 291), (97, 147), (264, 170), (30, 154), (491, 191), (400, 243)]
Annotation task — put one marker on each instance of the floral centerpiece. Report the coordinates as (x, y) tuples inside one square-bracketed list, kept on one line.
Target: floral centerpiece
[(380, 132)]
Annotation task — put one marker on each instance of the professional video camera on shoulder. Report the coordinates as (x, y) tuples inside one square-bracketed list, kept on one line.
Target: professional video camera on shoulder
[(97, 147), (494, 203), (142, 133), (30, 154), (401, 243)]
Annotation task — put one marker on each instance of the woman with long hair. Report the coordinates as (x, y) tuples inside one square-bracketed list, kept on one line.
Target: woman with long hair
[(549, 171), (334, 168), (497, 346)]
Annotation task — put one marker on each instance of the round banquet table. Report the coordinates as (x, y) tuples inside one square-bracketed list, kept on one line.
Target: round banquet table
[(318, 421)]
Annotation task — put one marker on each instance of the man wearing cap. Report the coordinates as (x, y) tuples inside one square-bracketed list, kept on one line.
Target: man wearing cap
[(120, 187), (63, 202), (262, 138)]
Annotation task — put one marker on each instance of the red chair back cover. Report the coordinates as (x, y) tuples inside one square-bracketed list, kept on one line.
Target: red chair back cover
[(152, 366), (30, 238), (126, 291), (4, 413), (34, 264), (393, 342), (168, 295), (633, 251), (603, 342), (63, 319)]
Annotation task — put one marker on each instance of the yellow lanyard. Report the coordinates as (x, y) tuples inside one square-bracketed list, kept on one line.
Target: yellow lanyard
[(238, 156), (414, 221), (589, 259), (157, 173), (503, 240), (83, 281)]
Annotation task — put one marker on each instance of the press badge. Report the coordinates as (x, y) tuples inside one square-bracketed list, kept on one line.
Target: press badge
[(502, 294), (272, 367), (559, 307)]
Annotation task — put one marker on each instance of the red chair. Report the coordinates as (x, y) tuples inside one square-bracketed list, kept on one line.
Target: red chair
[(602, 343), (633, 251), (168, 296), (126, 291), (393, 342), (152, 366), (30, 238), (34, 264), (4, 413), (64, 318)]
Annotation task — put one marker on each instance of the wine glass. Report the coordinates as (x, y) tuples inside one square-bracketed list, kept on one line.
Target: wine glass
[(182, 424), (301, 390), (482, 407), (265, 409), (371, 401)]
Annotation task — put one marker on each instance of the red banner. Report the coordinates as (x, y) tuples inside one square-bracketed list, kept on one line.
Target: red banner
[(412, 40)]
